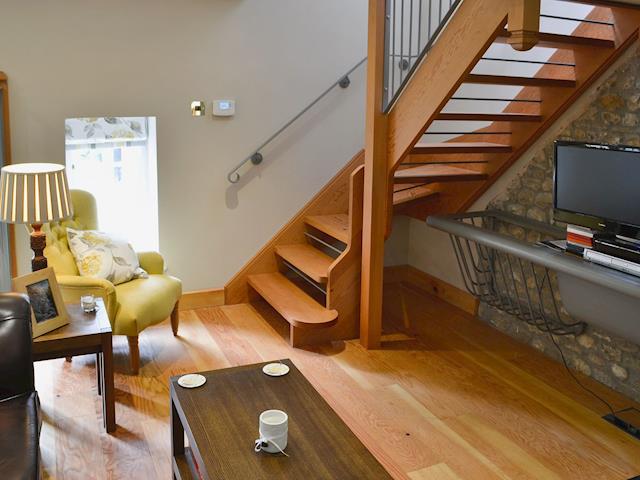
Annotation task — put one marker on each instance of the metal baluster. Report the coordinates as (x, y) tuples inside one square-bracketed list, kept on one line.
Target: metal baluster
[(410, 31), (392, 90), (401, 72), (420, 26), (429, 22)]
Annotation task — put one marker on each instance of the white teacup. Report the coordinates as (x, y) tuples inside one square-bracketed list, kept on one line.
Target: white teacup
[(273, 428)]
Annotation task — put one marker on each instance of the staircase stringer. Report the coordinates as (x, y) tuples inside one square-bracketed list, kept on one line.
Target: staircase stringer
[(471, 30)]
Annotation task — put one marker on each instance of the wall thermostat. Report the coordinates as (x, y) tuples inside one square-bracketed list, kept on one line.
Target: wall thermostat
[(224, 108)]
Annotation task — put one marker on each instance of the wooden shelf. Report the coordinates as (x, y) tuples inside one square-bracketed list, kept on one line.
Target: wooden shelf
[(491, 117), (437, 173), (524, 81), (460, 147), (336, 225), (415, 192), (297, 308), (308, 259)]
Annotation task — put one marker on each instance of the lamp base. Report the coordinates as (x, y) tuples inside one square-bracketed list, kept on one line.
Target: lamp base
[(38, 242)]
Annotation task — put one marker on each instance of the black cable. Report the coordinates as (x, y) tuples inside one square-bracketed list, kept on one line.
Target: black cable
[(566, 366)]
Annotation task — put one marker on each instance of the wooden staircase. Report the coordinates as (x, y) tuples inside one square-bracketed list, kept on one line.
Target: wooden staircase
[(310, 272), (580, 58)]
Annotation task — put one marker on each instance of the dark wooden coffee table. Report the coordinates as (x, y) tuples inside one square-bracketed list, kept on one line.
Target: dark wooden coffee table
[(86, 333), (220, 420)]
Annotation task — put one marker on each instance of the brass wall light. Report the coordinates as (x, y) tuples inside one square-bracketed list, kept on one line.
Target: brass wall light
[(197, 108)]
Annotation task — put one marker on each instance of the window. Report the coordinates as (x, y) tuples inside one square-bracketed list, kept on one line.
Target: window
[(114, 158)]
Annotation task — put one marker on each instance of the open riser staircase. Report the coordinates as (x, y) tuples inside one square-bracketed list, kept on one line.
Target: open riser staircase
[(443, 148), (448, 176)]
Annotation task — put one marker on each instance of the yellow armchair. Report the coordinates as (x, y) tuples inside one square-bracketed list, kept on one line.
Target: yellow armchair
[(132, 306)]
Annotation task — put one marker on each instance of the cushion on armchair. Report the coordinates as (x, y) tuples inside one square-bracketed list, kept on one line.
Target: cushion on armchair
[(98, 255)]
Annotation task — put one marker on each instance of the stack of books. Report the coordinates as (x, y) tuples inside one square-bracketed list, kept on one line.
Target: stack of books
[(579, 239)]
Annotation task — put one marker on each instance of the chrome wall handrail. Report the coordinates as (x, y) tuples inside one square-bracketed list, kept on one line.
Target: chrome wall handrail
[(256, 157)]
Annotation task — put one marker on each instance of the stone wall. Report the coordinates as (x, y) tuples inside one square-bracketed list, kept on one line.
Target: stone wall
[(613, 117)]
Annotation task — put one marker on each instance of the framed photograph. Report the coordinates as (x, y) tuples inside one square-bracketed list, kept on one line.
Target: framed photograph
[(48, 311)]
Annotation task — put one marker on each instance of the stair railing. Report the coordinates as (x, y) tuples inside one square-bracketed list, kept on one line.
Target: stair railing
[(257, 157), (411, 29)]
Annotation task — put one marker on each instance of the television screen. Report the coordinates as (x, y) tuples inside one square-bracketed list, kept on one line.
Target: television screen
[(600, 181)]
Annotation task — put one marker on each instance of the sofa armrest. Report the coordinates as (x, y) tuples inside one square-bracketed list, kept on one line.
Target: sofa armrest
[(152, 262), (74, 286)]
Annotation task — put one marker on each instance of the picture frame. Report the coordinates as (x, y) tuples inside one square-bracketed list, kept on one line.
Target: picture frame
[(48, 310)]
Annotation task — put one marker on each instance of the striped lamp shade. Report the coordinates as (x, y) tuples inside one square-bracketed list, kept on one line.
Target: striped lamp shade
[(34, 193)]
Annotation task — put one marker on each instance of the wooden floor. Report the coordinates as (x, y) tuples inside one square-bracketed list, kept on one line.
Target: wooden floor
[(461, 402)]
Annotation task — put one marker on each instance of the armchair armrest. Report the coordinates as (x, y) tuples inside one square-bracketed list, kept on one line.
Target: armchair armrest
[(74, 286), (152, 262)]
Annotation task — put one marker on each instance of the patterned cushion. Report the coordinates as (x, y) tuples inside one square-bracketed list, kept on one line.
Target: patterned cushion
[(98, 255)]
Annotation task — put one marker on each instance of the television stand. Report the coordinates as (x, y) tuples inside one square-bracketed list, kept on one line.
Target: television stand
[(492, 263)]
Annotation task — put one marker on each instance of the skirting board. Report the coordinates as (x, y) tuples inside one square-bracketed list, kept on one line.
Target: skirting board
[(202, 299), (419, 280)]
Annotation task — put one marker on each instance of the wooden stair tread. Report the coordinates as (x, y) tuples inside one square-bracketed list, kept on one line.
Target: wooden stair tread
[(437, 173), (297, 308), (521, 81), (335, 225), (308, 259), (414, 192), (491, 117), (557, 40), (460, 147)]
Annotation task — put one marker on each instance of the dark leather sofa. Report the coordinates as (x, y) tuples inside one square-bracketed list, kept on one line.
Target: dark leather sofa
[(20, 419)]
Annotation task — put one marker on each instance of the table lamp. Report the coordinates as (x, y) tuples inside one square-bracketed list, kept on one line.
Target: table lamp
[(33, 194)]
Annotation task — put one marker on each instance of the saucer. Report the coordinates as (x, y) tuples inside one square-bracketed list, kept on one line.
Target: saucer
[(192, 380), (275, 369)]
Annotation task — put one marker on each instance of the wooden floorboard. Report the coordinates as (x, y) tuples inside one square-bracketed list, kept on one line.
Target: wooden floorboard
[(447, 397)]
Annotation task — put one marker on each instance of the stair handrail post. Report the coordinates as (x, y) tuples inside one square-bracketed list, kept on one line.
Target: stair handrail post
[(376, 181), (523, 24)]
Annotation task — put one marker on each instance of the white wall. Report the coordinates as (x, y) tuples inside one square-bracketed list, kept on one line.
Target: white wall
[(75, 58)]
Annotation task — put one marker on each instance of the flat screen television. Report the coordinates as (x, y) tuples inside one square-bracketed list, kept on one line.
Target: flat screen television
[(598, 186)]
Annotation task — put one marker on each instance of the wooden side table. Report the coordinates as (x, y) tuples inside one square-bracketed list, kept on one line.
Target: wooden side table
[(86, 333)]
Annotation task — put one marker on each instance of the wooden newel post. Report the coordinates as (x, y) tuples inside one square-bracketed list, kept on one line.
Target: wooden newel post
[(524, 24), (376, 183)]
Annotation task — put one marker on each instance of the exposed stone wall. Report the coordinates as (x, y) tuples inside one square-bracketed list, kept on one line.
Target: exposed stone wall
[(614, 117)]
